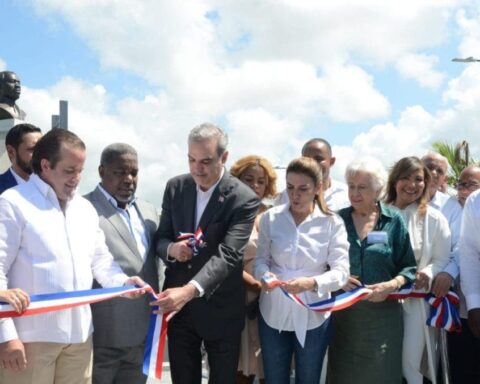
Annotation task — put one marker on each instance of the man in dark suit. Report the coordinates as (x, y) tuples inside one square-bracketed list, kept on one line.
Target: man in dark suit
[(120, 325), (204, 289), (19, 142)]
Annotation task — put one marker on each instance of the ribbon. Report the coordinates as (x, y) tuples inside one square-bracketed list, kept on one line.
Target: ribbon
[(195, 240), (63, 300), (157, 330), (155, 343), (443, 311)]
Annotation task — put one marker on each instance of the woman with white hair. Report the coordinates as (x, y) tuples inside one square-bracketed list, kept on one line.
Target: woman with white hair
[(367, 341), (408, 190)]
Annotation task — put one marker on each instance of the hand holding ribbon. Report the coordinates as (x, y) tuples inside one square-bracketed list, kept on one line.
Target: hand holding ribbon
[(194, 240)]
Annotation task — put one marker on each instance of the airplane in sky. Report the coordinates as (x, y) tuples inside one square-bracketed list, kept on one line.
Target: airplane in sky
[(467, 60)]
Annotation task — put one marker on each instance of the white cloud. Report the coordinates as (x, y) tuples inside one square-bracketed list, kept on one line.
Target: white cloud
[(420, 68), (3, 65), (175, 46), (470, 32)]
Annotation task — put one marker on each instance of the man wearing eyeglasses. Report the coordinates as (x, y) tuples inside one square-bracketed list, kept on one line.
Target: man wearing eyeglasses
[(464, 347)]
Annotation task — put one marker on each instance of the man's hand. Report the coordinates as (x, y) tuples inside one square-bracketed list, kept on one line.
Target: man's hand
[(181, 251), (17, 298), (172, 300), (474, 321), (12, 355), (442, 284), (299, 285)]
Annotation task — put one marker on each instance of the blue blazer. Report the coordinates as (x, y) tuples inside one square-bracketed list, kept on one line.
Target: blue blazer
[(7, 180)]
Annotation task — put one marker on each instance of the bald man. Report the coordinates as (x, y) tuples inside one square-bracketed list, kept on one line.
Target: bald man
[(452, 210), (335, 193), (464, 347)]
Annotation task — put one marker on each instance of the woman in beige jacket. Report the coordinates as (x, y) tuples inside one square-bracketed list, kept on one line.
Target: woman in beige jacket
[(407, 189)]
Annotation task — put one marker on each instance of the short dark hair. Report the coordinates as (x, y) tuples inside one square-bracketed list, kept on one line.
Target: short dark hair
[(15, 135), (49, 146), (317, 140), (113, 151)]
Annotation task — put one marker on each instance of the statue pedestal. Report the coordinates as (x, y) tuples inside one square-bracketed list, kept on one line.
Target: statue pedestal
[(5, 126)]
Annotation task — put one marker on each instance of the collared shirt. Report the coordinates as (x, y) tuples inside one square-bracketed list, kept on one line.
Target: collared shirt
[(376, 261), (132, 219), (452, 210), (470, 251), (336, 197), (203, 197), (317, 248), (44, 250), (17, 177)]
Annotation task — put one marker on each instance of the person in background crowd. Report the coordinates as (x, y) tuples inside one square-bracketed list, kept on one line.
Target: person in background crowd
[(205, 290), (464, 347), (129, 225), (452, 210), (305, 246), (334, 192), (19, 142), (367, 342), (408, 190), (50, 241), (259, 175)]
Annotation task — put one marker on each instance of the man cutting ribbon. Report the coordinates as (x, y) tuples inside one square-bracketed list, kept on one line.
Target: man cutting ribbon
[(50, 241)]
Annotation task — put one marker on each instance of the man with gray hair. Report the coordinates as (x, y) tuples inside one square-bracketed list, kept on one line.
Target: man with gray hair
[(203, 280), (129, 225), (452, 210)]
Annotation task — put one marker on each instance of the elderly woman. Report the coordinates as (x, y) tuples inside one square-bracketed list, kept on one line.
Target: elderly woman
[(407, 189), (367, 342), (260, 176), (305, 246)]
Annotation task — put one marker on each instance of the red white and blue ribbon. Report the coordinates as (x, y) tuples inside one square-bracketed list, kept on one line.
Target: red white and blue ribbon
[(63, 300), (195, 240), (443, 311), (155, 343)]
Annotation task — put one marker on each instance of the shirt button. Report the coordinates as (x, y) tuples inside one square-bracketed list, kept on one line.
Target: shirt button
[(189, 266)]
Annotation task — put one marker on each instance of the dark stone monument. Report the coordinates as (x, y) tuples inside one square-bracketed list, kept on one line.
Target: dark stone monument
[(10, 90)]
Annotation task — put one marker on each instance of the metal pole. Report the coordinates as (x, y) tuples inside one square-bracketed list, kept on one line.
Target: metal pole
[(444, 357)]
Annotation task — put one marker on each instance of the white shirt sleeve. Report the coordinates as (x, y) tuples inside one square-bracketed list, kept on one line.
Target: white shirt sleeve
[(470, 251)]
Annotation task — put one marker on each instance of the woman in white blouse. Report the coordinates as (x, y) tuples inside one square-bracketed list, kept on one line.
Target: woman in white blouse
[(407, 189), (305, 246)]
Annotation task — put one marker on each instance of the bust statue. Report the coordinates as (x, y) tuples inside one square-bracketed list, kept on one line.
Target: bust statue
[(9, 93)]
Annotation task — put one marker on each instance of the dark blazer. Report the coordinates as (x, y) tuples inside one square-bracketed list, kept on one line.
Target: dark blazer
[(7, 180), (226, 224), (121, 322)]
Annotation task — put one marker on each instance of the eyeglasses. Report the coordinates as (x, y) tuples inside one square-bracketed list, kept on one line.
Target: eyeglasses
[(468, 186)]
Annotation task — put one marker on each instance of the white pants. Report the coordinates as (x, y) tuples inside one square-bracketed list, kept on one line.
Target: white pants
[(415, 347)]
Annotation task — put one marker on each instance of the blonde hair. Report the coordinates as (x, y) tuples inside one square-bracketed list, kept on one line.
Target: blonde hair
[(242, 164)]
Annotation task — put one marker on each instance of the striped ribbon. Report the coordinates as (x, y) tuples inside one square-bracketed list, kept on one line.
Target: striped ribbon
[(157, 332), (443, 311), (195, 240)]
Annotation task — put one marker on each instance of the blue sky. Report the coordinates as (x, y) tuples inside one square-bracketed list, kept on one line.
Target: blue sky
[(374, 79)]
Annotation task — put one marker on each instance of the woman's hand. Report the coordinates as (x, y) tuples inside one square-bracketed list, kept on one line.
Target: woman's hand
[(352, 283), (17, 298), (421, 281), (380, 291), (267, 287), (299, 285)]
